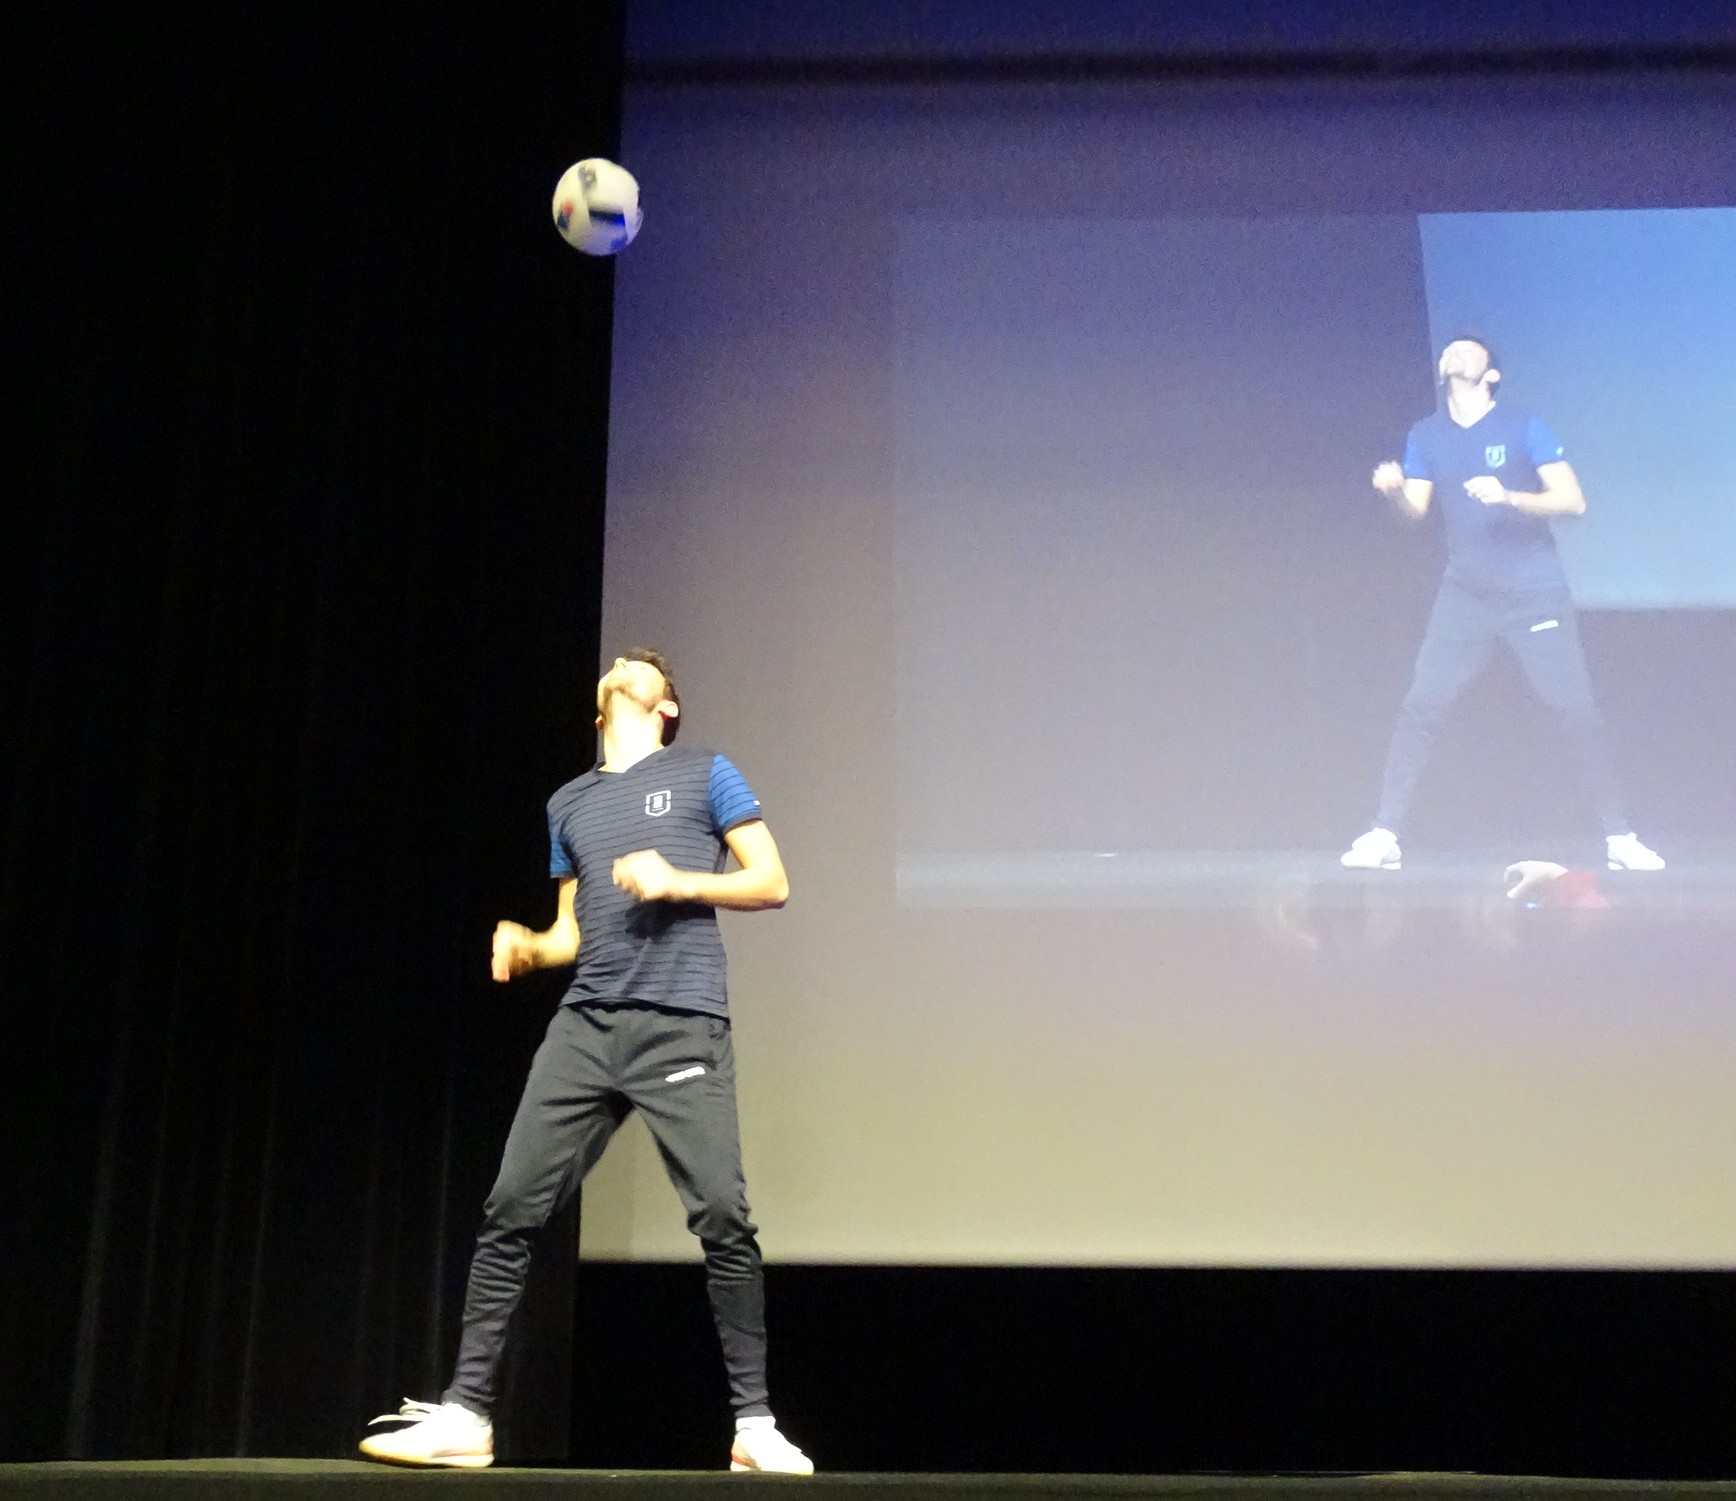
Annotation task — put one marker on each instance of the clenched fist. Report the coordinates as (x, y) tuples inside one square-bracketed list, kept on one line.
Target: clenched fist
[(648, 876), (514, 951)]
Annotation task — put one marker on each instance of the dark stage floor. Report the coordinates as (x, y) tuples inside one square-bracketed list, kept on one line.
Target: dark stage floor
[(329, 1480)]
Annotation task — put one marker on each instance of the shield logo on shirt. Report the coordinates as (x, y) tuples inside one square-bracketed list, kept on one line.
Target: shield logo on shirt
[(657, 803), (1495, 455)]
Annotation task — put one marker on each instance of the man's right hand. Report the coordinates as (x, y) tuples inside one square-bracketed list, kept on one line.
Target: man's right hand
[(1389, 479), (514, 951)]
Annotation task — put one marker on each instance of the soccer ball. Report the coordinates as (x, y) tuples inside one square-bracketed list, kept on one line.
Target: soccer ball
[(596, 206)]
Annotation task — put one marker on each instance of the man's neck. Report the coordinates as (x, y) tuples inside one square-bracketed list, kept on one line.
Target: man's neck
[(1467, 403), (629, 740)]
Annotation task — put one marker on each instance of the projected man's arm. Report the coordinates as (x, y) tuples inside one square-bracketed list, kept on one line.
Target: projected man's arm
[(1560, 495), (759, 884), (1410, 497), (517, 949)]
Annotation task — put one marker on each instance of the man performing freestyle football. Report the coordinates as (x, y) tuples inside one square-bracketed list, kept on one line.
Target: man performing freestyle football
[(638, 845), (1500, 478)]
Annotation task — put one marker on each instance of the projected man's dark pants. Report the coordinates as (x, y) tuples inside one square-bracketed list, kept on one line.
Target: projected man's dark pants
[(1541, 631), (595, 1065)]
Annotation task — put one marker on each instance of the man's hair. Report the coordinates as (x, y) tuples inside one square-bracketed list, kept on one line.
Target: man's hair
[(1481, 343), (671, 726)]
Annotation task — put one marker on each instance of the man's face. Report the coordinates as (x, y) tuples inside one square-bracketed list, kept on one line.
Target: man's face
[(1466, 359), (639, 682)]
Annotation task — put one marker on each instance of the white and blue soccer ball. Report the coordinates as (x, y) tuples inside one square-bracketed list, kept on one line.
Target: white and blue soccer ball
[(596, 207)]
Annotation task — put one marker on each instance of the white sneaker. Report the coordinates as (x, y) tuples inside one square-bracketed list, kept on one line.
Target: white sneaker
[(1627, 853), (768, 1451), (435, 1434), (1375, 850)]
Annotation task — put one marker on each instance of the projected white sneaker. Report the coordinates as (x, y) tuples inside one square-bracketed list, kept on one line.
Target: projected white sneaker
[(1627, 853), (1376, 850)]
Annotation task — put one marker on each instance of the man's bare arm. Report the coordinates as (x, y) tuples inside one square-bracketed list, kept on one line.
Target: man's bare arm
[(1560, 495), (1410, 497), (759, 884), (517, 949)]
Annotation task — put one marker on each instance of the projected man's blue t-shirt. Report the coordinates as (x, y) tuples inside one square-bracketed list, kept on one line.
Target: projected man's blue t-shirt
[(1489, 546)]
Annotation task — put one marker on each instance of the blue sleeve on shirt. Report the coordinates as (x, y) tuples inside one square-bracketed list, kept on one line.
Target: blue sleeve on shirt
[(732, 800), (1416, 461), (560, 862), (1541, 443)]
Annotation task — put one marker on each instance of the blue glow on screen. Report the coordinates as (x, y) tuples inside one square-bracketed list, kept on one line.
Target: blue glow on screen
[(1619, 327)]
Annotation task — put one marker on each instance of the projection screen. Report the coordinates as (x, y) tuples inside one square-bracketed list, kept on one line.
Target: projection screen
[(994, 462)]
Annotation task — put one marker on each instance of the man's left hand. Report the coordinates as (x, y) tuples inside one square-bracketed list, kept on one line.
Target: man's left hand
[(648, 876), (1488, 489)]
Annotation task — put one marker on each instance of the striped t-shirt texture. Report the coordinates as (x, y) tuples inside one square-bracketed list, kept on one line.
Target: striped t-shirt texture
[(680, 803)]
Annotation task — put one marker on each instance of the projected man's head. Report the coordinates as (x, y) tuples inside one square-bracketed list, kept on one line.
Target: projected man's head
[(1471, 361), (640, 678)]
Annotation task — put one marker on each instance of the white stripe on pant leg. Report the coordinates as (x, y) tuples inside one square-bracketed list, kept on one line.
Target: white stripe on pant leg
[(1544, 625), (686, 1073)]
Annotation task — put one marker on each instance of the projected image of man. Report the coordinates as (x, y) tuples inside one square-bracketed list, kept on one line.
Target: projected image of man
[(638, 846), (1499, 478)]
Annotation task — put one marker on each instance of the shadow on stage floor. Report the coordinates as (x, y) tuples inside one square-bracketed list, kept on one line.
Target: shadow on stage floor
[(332, 1480)]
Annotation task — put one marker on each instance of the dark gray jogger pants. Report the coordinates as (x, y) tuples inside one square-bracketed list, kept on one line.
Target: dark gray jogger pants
[(1542, 631), (595, 1065)]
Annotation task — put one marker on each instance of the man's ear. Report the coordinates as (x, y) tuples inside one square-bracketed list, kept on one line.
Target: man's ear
[(669, 709)]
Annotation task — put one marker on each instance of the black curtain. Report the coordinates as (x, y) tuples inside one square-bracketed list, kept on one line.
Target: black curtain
[(300, 581)]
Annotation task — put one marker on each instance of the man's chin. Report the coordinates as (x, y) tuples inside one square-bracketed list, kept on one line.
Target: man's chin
[(623, 695)]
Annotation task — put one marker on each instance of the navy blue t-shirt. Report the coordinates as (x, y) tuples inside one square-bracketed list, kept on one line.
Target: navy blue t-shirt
[(680, 803), (1489, 547)]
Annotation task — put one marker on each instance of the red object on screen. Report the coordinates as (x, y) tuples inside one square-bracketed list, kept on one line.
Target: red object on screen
[(1573, 888)]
